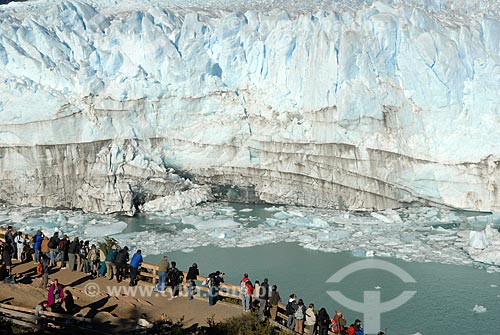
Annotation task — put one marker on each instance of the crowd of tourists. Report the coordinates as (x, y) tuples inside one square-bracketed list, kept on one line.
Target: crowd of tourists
[(257, 297), (115, 264)]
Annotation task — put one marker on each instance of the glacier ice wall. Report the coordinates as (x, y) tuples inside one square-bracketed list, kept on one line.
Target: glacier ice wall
[(347, 105)]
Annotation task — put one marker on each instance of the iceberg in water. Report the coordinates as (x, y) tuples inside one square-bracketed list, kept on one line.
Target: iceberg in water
[(485, 245), (479, 309)]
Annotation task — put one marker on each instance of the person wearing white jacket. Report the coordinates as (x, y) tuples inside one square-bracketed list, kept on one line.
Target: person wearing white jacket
[(19, 241), (310, 322)]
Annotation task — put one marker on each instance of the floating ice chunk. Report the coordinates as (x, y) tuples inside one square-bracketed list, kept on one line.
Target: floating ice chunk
[(222, 234), (408, 238), (392, 215), (377, 287), (187, 250), (179, 200), (358, 252), (215, 223), (101, 229), (300, 221), (272, 222), (441, 230), (245, 210), (333, 235), (319, 223), (478, 239), (370, 253), (493, 285), (381, 217), (272, 209), (282, 215), (255, 239), (479, 309)]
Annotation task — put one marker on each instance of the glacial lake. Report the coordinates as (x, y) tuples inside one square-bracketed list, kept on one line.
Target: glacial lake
[(443, 303), (299, 249)]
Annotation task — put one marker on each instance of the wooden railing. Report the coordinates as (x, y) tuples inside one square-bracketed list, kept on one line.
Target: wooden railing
[(32, 318), (227, 290)]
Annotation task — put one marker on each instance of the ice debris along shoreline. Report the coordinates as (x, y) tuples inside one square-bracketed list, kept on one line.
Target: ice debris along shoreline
[(413, 234)]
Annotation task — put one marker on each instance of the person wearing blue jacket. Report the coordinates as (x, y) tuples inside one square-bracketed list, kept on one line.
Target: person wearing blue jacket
[(134, 266), (37, 245)]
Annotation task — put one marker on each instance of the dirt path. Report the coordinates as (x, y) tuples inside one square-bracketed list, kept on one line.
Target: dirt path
[(112, 306)]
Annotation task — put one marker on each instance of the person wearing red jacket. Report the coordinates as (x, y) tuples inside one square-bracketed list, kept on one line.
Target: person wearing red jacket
[(246, 291), (338, 323), (356, 328)]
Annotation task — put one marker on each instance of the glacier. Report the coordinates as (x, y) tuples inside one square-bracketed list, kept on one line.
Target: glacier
[(116, 107)]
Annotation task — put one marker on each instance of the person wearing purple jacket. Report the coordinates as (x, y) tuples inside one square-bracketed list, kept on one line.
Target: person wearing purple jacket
[(134, 266)]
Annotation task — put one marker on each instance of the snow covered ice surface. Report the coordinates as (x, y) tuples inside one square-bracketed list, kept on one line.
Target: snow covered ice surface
[(422, 234), (333, 104)]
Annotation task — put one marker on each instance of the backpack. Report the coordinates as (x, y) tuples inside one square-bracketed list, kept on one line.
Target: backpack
[(61, 245), (8, 237), (299, 313), (52, 243), (39, 269), (243, 287), (173, 276), (289, 308), (210, 280)]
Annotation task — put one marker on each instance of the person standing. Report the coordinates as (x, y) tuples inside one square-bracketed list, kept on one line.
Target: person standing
[(63, 250), (192, 275), (19, 241), (44, 248), (299, 315), (323, 321), (92, 260), (338, 323), (81, 257), (134, 267), (45, 261), (246, 290), (7, 258), (163, 267), (121, 261), (263, 296), (214, 281), (37, 245), (274, 300), (356, 328), (255, 295), (9, 239), (174, 279), (110, 262), (53, 248), (291, 307), (310, 321), (73, 250)]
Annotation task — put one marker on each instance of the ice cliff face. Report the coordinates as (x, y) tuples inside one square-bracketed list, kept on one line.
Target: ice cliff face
[(368, 105)]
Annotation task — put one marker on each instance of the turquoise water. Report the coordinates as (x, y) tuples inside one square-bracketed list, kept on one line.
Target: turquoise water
[(446, 294)]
